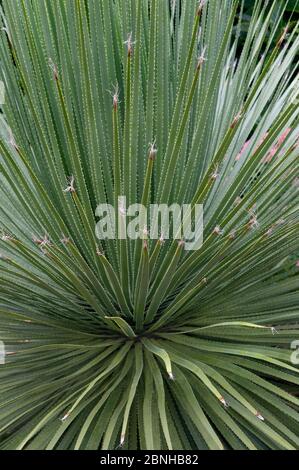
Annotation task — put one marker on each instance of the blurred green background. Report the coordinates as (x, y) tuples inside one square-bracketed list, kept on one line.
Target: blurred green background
[(291, 14)]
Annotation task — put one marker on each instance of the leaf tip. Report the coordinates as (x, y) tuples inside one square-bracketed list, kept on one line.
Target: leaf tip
[(259, 416)]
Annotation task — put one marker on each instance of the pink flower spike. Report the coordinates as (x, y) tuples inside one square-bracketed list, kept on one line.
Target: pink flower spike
[(283, 136), (243, 149), (297, 263), (276, 147)]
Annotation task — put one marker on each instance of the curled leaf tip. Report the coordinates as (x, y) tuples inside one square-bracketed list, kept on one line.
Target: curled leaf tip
[(71, 185), (115, 97), (65, 417), (162, 239), (236, 119), (129, 43), (253, 222), (153, 151), (224, 402), (5, 237), (215, 175), (201, 4), (99, 252), (42, 242), (260, 417), (54, 68), (283, 36), (201, 58), (65, 240), (12, 141), (217, 230), (232, 235)]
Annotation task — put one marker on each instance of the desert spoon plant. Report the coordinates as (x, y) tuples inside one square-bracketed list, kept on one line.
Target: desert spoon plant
[(143, 344)]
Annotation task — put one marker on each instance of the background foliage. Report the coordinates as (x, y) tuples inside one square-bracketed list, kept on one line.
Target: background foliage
[(143, 344)]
